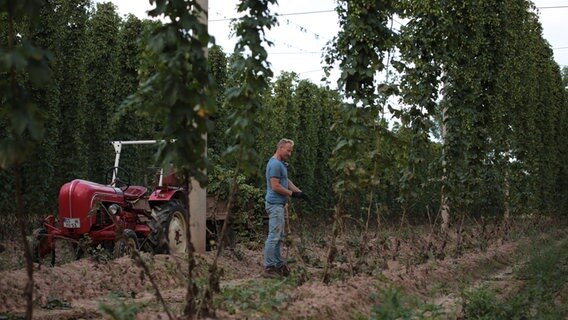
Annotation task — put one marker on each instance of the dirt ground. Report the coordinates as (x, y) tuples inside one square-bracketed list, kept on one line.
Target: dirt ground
[(81, 289)]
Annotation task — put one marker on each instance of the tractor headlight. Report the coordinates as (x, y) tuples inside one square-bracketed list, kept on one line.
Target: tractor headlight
[(114, 209)]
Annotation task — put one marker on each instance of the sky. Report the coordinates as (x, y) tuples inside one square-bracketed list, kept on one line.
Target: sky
[(306, 26), (298, 39)]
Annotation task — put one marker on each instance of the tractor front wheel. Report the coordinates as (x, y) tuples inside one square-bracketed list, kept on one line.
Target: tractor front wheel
[(174, 228), (41, 246), (126, 244)]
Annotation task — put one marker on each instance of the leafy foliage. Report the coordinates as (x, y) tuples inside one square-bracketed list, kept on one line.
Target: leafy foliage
[(479, 74), (359, 48), (250, 77), (393, 304), (120, 310), (254, 298), (102, 83), (218, 66), (539, 297), (184, 86), (20, 61), (248, 207)]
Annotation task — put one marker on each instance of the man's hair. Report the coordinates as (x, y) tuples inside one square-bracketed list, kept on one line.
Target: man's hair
[(285, 141)]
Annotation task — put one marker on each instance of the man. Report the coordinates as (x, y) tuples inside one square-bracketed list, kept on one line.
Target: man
[(278, 189)]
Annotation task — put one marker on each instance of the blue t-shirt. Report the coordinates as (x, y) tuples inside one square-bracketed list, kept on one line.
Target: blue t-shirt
[(276, 169)]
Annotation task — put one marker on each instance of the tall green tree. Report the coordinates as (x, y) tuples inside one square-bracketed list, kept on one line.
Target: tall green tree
[(130, 123), (360, 49), (536, 97), (249, 81), (20, 62), (218, 66), (102, 82), (179, 91), (493, 106), (317, 109), (42, 185), (70, 70), (183, 100), (309, 101), (280, 106), (329, 105)]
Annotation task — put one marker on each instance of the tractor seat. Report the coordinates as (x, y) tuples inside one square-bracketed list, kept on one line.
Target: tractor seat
[(134, 192)]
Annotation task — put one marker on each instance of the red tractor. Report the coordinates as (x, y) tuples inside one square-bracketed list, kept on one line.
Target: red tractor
[(119, 216)]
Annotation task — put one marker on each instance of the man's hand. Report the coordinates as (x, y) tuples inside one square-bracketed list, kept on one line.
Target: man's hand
[(299, 194)]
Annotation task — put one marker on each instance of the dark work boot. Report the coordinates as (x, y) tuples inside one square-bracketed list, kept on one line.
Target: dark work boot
[(284, 271), (272, 272)]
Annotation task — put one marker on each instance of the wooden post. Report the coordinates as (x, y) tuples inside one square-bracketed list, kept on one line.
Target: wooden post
[(198, 195)]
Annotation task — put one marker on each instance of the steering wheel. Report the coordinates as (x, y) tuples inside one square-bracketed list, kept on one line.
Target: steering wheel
[(123, 184)]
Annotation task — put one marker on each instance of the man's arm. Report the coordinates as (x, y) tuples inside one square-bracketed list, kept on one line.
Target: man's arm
[(293, 187), (277, 187)]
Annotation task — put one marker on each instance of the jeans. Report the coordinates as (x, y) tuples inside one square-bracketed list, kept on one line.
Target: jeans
[(272, 257)]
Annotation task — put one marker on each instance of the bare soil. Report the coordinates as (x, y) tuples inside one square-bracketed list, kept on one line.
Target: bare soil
[(415, 264)]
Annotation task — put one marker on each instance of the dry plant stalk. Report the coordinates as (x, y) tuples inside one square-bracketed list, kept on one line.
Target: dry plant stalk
[(206, 306), (332, 247), (138, 259), (301, 273), (28, 291), (364, 239), (144, 267), (288, 236), (189, 309)]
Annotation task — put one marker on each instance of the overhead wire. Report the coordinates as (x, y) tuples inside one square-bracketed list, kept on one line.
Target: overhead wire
[(317, 36), (305, 12), (300, 51), (278, 14), (552, 7), (286, 20), (304, 29), (310, 71), (297, 52)]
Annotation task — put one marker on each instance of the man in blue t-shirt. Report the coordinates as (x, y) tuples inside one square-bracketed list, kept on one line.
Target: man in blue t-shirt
[(278, 188)]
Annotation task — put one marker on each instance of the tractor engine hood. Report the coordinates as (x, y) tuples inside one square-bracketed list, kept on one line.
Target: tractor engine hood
[(78, 197)]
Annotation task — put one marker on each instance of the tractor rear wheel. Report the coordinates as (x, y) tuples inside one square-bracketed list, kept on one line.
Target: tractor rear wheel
[(126, 244), (173, 228)]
